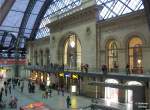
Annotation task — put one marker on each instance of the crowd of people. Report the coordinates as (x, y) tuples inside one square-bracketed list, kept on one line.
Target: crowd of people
[(6, 91)]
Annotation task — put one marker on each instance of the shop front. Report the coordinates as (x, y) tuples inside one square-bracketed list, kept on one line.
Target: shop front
[(2, 73)]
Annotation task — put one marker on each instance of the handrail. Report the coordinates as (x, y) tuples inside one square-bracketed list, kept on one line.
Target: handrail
[(90, 69)]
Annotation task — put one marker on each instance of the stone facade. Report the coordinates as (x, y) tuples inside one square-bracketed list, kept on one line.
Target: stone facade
[(94, 37), (122, 29)]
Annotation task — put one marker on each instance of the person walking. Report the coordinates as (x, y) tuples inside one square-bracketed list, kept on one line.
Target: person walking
[(5, 90), (68, 102), (62, 90), (1, 94), (22, 86), (58, 90), (127, 69), (104, 69), (9, 87)]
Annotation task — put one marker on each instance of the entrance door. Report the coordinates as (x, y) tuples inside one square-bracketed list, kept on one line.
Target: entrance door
[(111, 94), (129, 93)]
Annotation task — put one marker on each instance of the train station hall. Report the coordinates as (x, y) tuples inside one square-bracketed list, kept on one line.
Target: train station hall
[(74, 54)]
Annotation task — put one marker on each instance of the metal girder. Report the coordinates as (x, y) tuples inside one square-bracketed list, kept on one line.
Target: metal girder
[(4, 37), (39, 18), (4, 10), (21, 32), (147, 10), (12, 41), (24, 22)]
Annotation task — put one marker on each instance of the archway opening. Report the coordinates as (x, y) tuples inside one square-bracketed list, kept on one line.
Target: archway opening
[(47, 56), (112, 54), (111, 94), (72, 52), (129, 93), (36, 57), (41, 57), (135, 55)]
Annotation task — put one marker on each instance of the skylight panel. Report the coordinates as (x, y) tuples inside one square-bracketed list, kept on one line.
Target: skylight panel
[(20, 5), (37, 7), (113, 8), (7, 41), (118, 7)]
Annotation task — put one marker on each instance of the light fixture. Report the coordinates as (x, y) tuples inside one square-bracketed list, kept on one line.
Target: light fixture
[(72, 44), (139, 61)]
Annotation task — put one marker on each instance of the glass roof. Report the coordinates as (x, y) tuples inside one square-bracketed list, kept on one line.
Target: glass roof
[(14, 18), (114, 8), (111, 8), (12, 22), (56, 8)]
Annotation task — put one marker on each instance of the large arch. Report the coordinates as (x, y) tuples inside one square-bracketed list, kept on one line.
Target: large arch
[(111, 94), (61, 45), (72, 52)]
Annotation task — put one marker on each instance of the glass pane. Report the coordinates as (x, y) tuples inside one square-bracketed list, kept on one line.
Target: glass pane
[(118, 7)]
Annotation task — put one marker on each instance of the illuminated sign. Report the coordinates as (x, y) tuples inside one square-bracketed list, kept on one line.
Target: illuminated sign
[(61, 74), (67, 75), (12, 61), (73, 88), (75, 76)]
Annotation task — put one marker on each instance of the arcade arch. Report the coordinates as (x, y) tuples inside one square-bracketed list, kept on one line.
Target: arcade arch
[(111, 94), (72, 52), (129, 93)]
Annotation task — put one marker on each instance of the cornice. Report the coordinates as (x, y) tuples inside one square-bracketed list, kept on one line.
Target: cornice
[(42, 41), (122, 19), (78, 17)]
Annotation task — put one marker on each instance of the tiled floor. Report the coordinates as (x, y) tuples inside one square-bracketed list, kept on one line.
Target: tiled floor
[(56, 102)]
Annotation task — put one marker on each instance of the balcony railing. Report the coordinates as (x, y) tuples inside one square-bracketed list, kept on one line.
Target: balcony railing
[(58, 68)]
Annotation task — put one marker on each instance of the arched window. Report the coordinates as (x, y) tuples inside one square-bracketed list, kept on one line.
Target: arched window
[(135, 53), (112, 55), (72, 52), (111, 94), (36, 57), (41, 56), (129, 93), (47, 57)]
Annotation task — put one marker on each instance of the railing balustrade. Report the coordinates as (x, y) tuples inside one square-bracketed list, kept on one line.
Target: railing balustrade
[(91, 69)]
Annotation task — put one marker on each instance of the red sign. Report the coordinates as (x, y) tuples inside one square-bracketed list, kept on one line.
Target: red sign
[(12, 61)]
